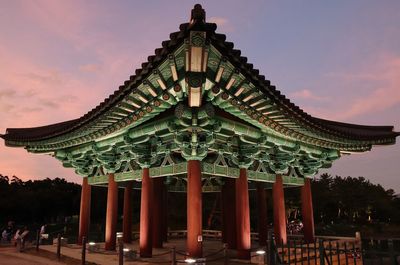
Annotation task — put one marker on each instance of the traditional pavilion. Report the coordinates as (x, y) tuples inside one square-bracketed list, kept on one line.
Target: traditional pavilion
[(197, 117)]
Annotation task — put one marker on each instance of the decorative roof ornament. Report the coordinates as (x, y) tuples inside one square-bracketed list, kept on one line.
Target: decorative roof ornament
[(198, 15), (199, 65)]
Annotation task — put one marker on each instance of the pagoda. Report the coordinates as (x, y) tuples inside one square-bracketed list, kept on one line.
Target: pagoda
[(195, 118)]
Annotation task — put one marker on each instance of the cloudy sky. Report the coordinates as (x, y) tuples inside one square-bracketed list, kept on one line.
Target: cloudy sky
[(337, 60)]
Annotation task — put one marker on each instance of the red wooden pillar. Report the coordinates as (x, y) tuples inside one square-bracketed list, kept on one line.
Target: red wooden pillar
[(279, 211), (243, 240), (158, 212), (84, 216), (112, 213), (262, 215), (194, 209), (229, 213), (165, 214), (127, 222), (307, 211), (145, 238)]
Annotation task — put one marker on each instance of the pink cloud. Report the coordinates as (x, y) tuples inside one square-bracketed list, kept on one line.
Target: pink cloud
[(307, 95), (89, 68), (383, 81), (7, 93), (35, 93), (62, 18), (16, 161), (222, 23), (65, 57), (385, 95)]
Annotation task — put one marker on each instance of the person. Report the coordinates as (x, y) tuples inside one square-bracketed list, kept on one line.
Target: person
[(17, 238), (4, 236), (9, 229), (24, 236), (41, 233), (43, 229)]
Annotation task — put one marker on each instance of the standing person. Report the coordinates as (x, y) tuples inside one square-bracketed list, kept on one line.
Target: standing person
[(17, 238)]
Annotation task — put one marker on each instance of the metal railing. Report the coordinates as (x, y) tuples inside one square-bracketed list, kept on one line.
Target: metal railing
[(324, 251), (381, 251)]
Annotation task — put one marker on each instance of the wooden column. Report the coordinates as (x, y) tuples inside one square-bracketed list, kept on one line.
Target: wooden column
[(279, 211), (84, 216), (165, 214), (194, 209), (112, 213), (145, 239), (243, 240), (307, 211), (262, 215), (157, 208), (127, 222), (229, 212)]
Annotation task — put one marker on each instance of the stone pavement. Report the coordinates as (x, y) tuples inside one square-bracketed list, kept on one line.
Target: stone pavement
[(213, 251), (10, 256)]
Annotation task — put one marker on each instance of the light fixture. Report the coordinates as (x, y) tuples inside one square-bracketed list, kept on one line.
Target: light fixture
[(93, 247), (129, 254), (190, 260), (260, 252)]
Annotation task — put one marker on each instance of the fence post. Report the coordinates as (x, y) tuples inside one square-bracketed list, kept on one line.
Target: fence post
[(272, 250), (225, 254), (83, 250), (120, 252), (265, 256), (59, 246), (269, 251), (358, 237), (173, 256), (37, 239), (321, 252), (393, 258)]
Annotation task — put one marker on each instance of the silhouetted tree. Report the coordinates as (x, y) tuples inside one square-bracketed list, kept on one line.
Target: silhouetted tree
[(352, 200)]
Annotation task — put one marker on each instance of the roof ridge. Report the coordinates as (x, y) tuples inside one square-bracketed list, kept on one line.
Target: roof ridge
[(198, 23)]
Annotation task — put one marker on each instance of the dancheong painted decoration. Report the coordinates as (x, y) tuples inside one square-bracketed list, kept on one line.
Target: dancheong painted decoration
[(197, 115)]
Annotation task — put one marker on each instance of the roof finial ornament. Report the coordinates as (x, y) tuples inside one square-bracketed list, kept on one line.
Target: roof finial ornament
[(198, 15)]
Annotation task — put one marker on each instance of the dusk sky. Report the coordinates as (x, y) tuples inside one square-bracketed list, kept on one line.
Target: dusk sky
[(337, 60)]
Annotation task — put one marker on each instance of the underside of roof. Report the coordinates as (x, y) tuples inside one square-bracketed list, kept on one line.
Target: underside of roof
[(197, 65)]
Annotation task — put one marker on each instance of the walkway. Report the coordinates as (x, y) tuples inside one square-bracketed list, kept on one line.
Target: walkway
[(213, 250), (10, 256)]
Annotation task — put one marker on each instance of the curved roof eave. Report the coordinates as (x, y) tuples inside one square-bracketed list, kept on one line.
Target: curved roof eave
[(358, 132)]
